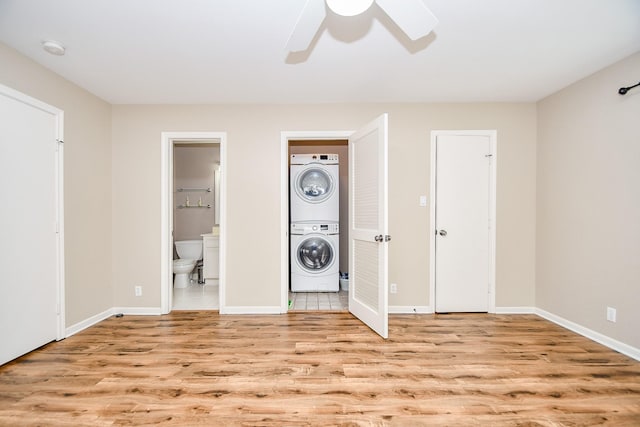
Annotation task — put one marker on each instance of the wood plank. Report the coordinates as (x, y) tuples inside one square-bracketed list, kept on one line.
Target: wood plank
[(199, 368)]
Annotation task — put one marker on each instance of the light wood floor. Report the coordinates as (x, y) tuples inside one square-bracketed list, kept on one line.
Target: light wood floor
[(199, 368)]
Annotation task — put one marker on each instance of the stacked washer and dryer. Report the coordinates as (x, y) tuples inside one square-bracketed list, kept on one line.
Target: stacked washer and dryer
[(315, 228)]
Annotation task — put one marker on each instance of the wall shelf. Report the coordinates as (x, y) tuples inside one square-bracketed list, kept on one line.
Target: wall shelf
[(194, 206), (194, 190)]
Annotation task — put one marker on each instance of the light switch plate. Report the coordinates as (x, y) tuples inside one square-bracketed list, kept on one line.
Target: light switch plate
[(423, 201)]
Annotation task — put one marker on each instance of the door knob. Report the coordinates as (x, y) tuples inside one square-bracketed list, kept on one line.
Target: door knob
[(378, 238), (443, 233)]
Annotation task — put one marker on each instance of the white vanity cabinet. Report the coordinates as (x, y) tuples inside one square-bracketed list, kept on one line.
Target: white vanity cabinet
[(210, 257)]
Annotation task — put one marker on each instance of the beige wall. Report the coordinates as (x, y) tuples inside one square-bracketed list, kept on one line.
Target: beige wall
[(112, 166), (588, 209), (87, 186), (253, 161)]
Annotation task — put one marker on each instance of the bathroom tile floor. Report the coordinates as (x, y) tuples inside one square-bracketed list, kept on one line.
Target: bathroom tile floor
[(196, 297), (335, 301)]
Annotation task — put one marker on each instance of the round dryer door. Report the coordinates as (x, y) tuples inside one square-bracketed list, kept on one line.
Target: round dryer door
[(315, 254), (314, 184)]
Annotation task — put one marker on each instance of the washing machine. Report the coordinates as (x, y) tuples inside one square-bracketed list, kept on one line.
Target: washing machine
[(315, 266), (314, 188)]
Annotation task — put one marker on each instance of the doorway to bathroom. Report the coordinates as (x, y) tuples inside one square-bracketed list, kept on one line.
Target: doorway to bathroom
[(193, 218)]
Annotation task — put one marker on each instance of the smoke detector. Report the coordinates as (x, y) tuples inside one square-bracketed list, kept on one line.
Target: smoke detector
[(53, 47)]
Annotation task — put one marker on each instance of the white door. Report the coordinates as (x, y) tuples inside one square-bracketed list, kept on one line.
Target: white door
[(29, 249), (462, 223), (368, 239)]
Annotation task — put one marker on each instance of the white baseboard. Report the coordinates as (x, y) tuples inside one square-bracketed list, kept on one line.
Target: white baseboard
[(515, 310), (618, 346), (410, 309), (74, 329), (138, 311), (267, 309)]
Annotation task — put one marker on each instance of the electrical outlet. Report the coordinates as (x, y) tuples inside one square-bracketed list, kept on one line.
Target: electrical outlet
[(138, 291), (393, 288), (611, 314)]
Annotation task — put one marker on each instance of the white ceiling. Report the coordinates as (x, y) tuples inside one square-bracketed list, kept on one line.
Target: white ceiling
[(232, 51)]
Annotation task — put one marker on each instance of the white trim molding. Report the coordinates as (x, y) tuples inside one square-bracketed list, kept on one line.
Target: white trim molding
[(138, 311), (410, 309), (81, 326), (515, 310), (613, 344), (97, 318)]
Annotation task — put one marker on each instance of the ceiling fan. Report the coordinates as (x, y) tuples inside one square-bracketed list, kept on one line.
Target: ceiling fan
[(411, 16)]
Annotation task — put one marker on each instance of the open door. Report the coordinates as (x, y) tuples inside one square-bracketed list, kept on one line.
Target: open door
[(368, 241)]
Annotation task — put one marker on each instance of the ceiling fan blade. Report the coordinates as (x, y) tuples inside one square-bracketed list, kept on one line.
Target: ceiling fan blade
[(412, 16), (307, 26)]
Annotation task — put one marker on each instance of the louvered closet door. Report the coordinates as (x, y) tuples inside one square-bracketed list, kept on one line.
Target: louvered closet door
[(368, 253)]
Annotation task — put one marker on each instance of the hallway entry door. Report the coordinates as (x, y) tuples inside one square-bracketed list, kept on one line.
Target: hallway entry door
[(463, 222)]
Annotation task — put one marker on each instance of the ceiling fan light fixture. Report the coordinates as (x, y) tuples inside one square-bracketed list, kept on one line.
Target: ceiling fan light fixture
[(349, 7), (53, 47), (411, 16)]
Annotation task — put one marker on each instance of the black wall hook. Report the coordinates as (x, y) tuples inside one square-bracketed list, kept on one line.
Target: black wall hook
[(624, 90)]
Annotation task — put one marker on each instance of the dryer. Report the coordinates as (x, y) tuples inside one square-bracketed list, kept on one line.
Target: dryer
[(315, 265), (314, 188)]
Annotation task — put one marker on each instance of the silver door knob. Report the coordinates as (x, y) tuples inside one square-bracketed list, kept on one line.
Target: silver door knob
[(379, 238), (442, 233)]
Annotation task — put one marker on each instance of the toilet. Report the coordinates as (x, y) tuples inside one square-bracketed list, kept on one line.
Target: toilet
[(189, 253)]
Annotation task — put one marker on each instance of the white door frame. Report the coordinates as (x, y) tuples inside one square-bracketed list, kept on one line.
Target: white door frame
[(168, 140), (58, 139), (285, 137), (492, 135)]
